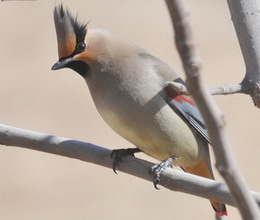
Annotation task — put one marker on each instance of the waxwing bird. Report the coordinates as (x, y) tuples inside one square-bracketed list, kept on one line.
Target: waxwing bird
[(127, 85)]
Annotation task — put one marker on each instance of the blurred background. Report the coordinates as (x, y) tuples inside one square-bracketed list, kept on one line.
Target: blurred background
[(36, 185)]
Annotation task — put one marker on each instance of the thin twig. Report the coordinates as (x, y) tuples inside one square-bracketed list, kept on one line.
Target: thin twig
[(171, 179), (227, 89), (225, 161), (219, 90)]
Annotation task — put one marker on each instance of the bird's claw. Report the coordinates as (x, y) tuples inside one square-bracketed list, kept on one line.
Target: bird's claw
[(157, 170), (117, 158), (118, 154)]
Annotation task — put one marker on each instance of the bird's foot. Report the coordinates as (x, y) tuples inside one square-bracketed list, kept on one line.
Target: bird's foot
[(157, 169), (118, 154)]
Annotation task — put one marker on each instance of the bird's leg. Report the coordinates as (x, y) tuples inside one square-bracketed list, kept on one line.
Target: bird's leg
[(157, 169), (118, 154)]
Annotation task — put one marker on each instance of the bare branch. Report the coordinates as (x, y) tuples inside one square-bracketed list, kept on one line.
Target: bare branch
[(226, 89), (226, 164), (220, 90), (245, 16), (255, 94), (172, 179)]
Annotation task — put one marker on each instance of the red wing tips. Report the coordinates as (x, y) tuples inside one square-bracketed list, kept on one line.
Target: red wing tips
[(182, 98), (174, 95), (221, 213)]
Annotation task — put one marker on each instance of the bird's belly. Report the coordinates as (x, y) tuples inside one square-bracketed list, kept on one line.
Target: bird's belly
[(161, 134)]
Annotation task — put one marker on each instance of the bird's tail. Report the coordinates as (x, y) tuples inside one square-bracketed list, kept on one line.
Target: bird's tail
[(202, 169)]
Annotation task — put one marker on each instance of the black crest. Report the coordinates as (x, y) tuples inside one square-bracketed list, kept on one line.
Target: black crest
[(80, 30)]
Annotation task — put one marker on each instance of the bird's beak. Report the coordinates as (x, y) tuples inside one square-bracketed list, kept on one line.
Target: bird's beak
[(61, 63)]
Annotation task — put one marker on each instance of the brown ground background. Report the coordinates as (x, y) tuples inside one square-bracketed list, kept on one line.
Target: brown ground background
[(35, 185)]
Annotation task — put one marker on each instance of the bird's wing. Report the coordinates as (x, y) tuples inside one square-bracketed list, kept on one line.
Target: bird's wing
[(186, 110), (180, 104)]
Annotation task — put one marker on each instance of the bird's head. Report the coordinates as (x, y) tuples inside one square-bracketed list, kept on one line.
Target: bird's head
[(72, 46)]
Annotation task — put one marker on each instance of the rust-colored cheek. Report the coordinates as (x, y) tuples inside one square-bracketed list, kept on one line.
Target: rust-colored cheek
[(66, 47), (87, 57)]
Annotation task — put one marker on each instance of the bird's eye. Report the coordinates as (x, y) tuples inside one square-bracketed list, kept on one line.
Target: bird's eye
[(81, 46)]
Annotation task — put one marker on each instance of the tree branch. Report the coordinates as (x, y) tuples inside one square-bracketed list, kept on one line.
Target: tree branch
[(219, 90), (225, 162), (245, 16), (171, 179)]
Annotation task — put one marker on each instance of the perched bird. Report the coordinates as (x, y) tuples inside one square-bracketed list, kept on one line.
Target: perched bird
[(127, 84)]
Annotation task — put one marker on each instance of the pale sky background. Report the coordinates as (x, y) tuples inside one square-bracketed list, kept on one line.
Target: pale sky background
[(35, 185)]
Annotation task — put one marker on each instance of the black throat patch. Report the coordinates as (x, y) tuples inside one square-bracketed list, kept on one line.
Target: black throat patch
[(79, 66)]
